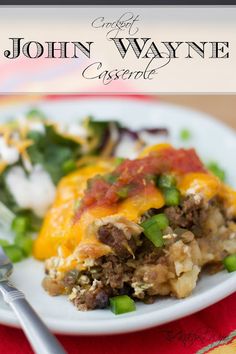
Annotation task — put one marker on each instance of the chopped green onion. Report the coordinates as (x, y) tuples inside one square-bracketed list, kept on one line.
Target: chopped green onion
[(161, 220), (154, 234), (166, 181), (14, 253), (77, 204), (25, 243), (152, 229), (172, 196), (110, 178), (122, 304), (123, 192), (185, 134), (119, 160), (230, 263), (69, 166), (151, 177), (20, 224), (145, 224), (216, 170), (3, 242)]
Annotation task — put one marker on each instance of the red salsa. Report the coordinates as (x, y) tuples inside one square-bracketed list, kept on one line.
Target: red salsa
[(134, 176)]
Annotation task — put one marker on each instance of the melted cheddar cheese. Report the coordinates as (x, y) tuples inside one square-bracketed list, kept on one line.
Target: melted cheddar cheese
[(58, 228), (64, 235), (199, 183), (132, 208), (158, 147), (208, 186)]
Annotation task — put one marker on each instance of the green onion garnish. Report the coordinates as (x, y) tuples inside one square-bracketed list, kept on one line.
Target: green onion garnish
[(154, 234), (230, 263), (171, 196), (217, 170), (110, 178), (123, 192), (153, 227), (122, 304), (77, 204), (161, 220), (119, 160), (166, 181), (185, 135)]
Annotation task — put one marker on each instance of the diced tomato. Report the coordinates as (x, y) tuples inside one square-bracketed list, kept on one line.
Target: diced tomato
[(135, 176), (183, 161)]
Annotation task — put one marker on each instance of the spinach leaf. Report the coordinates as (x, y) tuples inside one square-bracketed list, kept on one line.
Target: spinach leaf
[(99, 133), (52, 150)]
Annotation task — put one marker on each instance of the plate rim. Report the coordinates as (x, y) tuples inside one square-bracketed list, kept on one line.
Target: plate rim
[(135, 323)]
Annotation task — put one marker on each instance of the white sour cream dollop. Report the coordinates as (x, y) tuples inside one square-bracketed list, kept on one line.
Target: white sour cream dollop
[(35, 192), (8, 153)]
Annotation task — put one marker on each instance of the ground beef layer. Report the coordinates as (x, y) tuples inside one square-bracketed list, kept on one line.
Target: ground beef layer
[(200, 235)]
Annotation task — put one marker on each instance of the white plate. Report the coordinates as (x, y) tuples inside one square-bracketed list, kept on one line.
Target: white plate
[(212, 139)]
